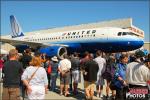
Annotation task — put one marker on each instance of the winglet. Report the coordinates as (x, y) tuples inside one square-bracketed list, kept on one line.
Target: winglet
[(15, 27)]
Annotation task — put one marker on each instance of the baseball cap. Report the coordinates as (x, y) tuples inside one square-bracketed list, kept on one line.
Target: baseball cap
[(139, 54)]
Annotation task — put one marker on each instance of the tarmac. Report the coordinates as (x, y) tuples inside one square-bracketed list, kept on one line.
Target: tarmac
[(55, 95)]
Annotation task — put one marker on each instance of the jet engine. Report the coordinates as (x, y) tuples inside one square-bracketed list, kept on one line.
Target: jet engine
[(54, 51)]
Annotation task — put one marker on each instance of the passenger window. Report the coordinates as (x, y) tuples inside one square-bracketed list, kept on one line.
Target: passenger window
[(124, 33), (119, 34)]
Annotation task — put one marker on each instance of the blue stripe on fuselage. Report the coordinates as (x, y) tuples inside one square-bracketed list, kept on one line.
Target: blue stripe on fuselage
[(104, 46)]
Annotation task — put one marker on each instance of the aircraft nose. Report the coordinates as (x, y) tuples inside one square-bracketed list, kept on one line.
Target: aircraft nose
[(139, 43), (136, 43)]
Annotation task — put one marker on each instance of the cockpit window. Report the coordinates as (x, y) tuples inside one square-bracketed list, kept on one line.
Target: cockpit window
[(127, 33), (119, 34), (130, 33)]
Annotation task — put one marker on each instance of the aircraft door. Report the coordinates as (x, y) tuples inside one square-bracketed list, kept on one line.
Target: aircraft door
[(103, 35)]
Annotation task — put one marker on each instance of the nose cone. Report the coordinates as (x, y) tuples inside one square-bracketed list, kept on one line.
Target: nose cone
[(140, 43), (137, 44)]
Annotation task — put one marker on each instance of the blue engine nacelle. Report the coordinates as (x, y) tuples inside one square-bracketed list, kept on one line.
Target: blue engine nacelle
[(54, 51)]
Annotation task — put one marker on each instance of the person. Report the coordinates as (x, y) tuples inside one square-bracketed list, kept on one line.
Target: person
[(26, 58), (84, 59), (90, 76), (54, 72), (132, 57), (110, 68), (102, 66), (37, 54), (64, 69), (1, 67), (147, 61), (12, 71), (138, 72), (75, 67), (148, 56), (43, 59), (120, 77), (47, 67), (35, 79), (117, 56)]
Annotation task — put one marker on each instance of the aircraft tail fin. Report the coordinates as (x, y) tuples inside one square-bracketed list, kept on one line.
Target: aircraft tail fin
[(15, 27)]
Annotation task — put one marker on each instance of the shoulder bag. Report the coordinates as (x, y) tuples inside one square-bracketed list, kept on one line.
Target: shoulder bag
[(30, 79)]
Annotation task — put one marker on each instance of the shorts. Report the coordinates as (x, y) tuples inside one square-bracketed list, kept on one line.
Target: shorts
[(11, 93), (75, 76), (65, 80)]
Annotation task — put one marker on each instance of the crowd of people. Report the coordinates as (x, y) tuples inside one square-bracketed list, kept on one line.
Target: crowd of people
[(35, 75)]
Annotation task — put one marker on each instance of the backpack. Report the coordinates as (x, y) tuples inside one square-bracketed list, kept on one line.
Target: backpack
[(109, 72), (49, 69), (113, 70)]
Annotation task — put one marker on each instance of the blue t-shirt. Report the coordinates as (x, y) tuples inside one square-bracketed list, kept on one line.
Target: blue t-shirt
[(120, 72)]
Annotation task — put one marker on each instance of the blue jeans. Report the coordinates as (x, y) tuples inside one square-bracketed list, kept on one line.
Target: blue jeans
[(53, 81)]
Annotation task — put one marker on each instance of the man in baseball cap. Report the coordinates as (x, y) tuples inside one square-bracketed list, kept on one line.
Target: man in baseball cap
[(137, 73)]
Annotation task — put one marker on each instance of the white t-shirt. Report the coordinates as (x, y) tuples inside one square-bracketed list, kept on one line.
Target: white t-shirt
[(137, 74), (64, 64), (102, 65), (40, 77)]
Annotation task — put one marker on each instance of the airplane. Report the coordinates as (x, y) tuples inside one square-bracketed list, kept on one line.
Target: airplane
[(106, 39), (2, 51)]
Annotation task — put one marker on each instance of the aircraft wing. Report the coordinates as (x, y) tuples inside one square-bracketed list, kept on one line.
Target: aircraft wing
[(32, 44)]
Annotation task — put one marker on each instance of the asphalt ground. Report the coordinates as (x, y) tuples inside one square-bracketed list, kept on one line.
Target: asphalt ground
[(55, 95)]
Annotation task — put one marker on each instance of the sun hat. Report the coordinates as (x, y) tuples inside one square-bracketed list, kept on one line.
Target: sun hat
[(54, 59)]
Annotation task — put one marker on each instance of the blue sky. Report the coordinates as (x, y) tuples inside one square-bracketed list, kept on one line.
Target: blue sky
[(37, 15)]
